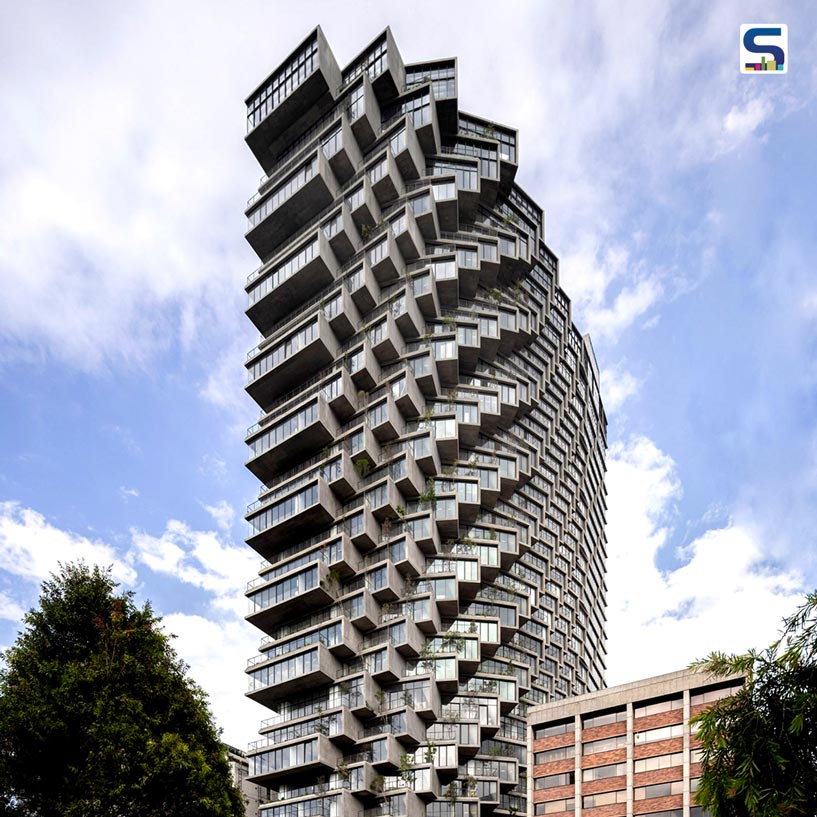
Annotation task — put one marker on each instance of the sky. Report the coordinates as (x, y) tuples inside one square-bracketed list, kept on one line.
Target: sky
[(680, 197)]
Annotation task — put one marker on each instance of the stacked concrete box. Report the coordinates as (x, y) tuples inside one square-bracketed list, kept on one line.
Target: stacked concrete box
[(431, 448)]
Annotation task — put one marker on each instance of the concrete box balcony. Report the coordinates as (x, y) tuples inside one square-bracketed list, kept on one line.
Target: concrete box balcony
[(364, 112), (408, 154), (468, 345), (365, 534), (386, 421), (488, 261), (348, 561), (291, 204), (385, 258), (407, 314), (289, 279), (382, 62), (385, 178), (446, 274), (364, 367), (386, 339), (411, 643), (468, 271), (364, 448), (427, 219), (412, 483), (424, 368), (410, 730), (446, 515), (407, 395), (363, 287), (363, 206), (275, 524), (342, 477), (367, 615), (317, 591), (385, 583), (324, 669), (276, 117), (386, 752), (279, 450), (297, 356), (349, 645), (342, 313), (343, 399), (409, 239), (424, 289), (342, 150), (447, 203), (385, 499), (326, 758), (343, 234)]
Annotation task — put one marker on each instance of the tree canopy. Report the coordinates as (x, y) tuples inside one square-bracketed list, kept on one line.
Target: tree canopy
[(98, 717), (760, 745)]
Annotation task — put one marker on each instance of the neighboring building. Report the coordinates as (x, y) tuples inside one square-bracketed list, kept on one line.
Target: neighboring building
[(622, 751), (252, 794), (431, 448)]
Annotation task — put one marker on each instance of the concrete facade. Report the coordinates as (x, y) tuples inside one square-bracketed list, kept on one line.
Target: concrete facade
[(628, 750), (430, 446)]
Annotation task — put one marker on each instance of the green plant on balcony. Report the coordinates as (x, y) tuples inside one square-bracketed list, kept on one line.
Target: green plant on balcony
[(406, 769), (362, 467), (401, 511), (342, 770), (452, 793), (429, 496), (453, 641), (378, 784), (430, 752)]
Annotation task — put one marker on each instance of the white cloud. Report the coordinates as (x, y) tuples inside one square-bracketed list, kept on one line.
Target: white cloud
[(128, 493), (198, 558), (617, 386), (217, 652), (723, 596), (747, 118), (10, 610), (32, 548), (222, 513)]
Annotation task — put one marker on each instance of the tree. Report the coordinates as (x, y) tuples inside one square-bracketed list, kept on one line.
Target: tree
[(98, 716), (760, 745)]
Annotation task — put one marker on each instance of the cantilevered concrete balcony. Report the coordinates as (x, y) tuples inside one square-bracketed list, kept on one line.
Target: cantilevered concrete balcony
[(363, 206), (382, 62), (407, 314), (363, 111), (407, 395), (342, 232), (291, 204), (291, 438), (307, 349), (407, 151), (287, 513), (364, 367), (363, 287), (385, 178), (292, 98), (385, 258), (409, 239), (270, 765), (386, 339), (291, 595), (342, 313), (290, 279), (342, 477), (341, 148)]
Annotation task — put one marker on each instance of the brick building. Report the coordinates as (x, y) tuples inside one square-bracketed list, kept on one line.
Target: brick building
[(623, 751)]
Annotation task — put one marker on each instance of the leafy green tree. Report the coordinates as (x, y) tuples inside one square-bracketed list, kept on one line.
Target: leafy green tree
[(98, 717), (760, 745)]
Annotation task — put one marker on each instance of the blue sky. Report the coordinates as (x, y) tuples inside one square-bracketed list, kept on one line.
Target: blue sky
[(679, 195)]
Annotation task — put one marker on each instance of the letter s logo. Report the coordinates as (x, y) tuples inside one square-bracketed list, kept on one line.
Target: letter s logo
[(775, 50), (772, 50)]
